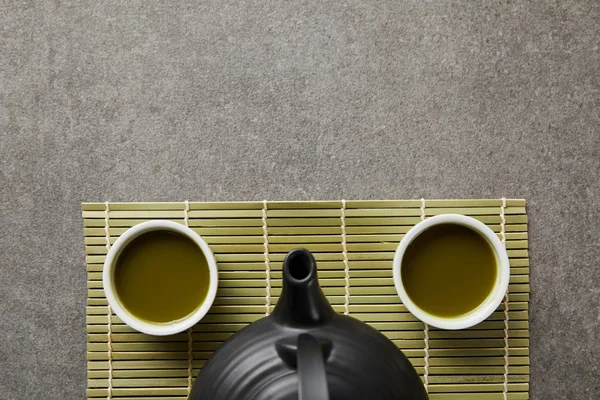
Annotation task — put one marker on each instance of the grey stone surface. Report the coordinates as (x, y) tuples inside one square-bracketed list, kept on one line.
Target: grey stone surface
[(245, 100)]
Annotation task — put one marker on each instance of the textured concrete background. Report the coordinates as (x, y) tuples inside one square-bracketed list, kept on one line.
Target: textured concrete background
[(245, 100)]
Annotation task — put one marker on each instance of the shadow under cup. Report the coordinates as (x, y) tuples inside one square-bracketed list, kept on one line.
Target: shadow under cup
[(451, 271)]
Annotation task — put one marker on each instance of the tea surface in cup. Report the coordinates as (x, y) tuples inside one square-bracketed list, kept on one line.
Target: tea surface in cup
[(449, 270), (161, 277)]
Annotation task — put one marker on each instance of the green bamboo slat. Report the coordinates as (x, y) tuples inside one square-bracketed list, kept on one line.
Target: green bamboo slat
[(145, 214), (457, 372), (100, 206), (133, 206), (303, 222), (471, 334), (384, 251), (392, 246), (120, 392), (237, 222), (193, 223), (389, 317), (399, 212), (304, 230), (97, 229), (304, 213), (394, 238), (477, 370), (161, 373), (417, 361), (216, 328), (478, 352), (433, 396), (243, 205), (383, 229), (499, 360), (518, 327), (392, 212), (285, 205), (133, 383), (181, 346), (134, 336), (215, 309), (138, 365), (236, 231), (150, 355), (518, 275), (465, 343), (433, 203), (329, 291), (126, 223), (213, 240), (478, 396), (376, 221), (150, 214), (324, 265), (141, 373), (396, 325), (472, 211), (497, 368), (175, 373), (174, 206), (261, 274), (144, 398), (482, 388), (211, 341), (217, 249), (209, 318), (497, 378), (304, 239), (193, 214), (354, 309), (208, 231), (223, 300), (468, 366), (473, 356)]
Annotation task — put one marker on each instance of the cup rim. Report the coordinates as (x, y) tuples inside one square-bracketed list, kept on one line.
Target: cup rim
[(489, 305), (137, 323)]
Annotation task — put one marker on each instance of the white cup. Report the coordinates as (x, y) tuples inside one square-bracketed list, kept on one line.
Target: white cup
[(493, 300), (142, 325)]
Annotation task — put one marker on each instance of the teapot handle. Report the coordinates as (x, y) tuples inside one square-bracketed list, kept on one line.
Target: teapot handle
[(312, 377)]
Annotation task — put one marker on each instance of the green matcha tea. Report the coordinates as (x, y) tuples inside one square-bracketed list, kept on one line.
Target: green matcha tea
[(161, 277), (449, 270)]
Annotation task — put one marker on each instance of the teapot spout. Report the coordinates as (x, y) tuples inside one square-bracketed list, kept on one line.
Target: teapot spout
[(302, 302)]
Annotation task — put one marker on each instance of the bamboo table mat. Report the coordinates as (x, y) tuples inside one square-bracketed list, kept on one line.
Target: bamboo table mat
[(353, 243)]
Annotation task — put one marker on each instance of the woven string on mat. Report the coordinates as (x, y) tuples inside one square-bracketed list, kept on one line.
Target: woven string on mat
[(267, 261), (503, 236), (190, 337), (109, 310), (346, 263), (426, 327)]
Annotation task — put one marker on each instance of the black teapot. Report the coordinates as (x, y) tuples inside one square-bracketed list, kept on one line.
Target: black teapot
[(306, 351)]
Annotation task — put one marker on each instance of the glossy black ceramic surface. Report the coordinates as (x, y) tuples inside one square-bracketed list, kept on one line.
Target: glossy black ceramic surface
[(305, 350)]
